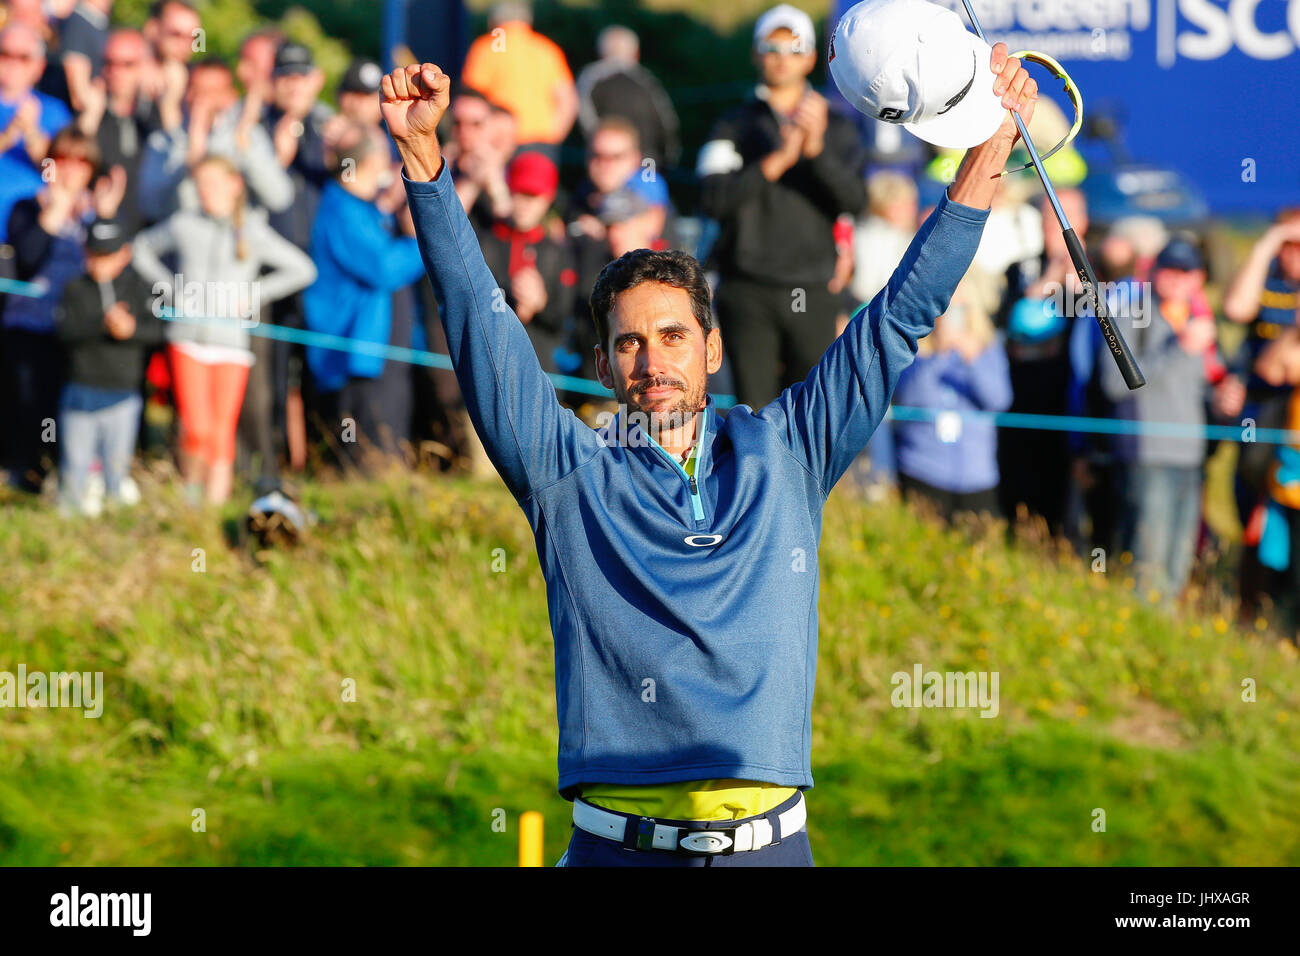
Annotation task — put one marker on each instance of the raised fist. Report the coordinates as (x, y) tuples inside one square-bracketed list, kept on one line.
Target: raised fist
[(413, 100)]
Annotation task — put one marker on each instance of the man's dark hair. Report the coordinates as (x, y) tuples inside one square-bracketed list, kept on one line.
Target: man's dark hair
[(212, 62), (274, 34), (71, 141), (670, 267), (617, 124), (470, 93), (158, 6)]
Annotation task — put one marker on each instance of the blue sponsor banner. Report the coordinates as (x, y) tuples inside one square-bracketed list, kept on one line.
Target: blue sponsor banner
[(1205, 87)]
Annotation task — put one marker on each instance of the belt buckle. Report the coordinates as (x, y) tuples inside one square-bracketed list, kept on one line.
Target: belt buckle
[(711, 842)]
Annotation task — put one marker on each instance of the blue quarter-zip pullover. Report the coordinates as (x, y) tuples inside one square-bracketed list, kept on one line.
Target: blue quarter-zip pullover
[(706, 587)]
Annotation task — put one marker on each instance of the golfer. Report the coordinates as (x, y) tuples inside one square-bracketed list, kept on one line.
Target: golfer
[(679, 545)]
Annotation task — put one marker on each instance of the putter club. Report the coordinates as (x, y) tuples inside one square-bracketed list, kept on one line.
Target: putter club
[(1119, 349)]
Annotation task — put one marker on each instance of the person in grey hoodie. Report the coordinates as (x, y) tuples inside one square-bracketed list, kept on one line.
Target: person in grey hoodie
[(1175, 349), (223, 250)]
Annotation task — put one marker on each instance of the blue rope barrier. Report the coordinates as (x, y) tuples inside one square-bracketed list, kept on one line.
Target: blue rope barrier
[(397, 353), (31, 290), (568, 383), (906, 413), (1101, 426)]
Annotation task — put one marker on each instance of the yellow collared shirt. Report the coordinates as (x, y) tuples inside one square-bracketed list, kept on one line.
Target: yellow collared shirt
[(690, 800)]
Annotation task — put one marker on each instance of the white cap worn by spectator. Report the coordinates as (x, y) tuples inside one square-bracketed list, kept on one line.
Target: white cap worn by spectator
[(914, 63), (789, 18)]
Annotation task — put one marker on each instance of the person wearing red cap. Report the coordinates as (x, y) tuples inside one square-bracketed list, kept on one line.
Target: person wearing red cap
[(531, 269)]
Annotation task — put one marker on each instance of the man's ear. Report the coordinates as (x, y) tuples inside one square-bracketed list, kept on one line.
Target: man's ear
[(602, 368), (712, 350)]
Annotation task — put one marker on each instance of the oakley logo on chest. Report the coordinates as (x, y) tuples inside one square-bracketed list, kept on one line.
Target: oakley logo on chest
[(702, 540)]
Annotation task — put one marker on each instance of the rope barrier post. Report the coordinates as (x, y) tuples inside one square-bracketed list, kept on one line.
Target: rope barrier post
[(530, 839)]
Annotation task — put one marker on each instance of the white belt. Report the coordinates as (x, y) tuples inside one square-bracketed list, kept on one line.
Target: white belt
[(753, 835)]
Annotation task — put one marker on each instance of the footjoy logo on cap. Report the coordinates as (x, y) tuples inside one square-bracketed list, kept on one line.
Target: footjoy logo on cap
[(906, 62)]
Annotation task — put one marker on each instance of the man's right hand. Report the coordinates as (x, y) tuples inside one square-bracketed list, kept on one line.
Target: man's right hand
[(413, 100)]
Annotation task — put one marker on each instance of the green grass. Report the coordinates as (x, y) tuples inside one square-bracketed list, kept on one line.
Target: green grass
[(224, 692)]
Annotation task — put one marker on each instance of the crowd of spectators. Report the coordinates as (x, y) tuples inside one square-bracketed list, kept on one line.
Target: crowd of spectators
[(157, 205)]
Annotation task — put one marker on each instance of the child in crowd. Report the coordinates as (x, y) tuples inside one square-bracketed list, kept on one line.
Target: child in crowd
[(106, 323), (223, 250), (46, 232), (531, 267)]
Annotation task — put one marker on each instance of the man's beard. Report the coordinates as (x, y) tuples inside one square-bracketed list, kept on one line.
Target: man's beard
[(677, 414)]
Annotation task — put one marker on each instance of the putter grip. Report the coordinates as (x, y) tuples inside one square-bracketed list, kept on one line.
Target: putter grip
[(1128, 367)]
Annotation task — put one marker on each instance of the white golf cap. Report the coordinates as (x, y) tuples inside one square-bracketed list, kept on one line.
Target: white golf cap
[(792, 19), (914, 63)]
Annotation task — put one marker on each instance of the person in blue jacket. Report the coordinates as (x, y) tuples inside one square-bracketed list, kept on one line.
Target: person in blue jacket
[(28, 118), (361, 261), (679, 546), (952, 460)]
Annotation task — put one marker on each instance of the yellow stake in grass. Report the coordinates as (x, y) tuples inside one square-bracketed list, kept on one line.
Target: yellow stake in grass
[(530, 839)]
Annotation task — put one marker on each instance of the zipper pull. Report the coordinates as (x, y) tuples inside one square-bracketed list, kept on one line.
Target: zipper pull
[(695, 489)]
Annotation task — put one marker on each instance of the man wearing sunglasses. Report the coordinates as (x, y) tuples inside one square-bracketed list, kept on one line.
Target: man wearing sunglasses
[(775, 174)]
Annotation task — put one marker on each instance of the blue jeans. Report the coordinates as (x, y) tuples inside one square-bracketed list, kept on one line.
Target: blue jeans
[(1167, 513), (96, 423), (586, 849)]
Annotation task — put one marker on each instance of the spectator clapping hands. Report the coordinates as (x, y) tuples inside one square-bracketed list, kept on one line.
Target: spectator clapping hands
[(529, 291), (25, 128), (170, 82), (810, 117), (109, 191)]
